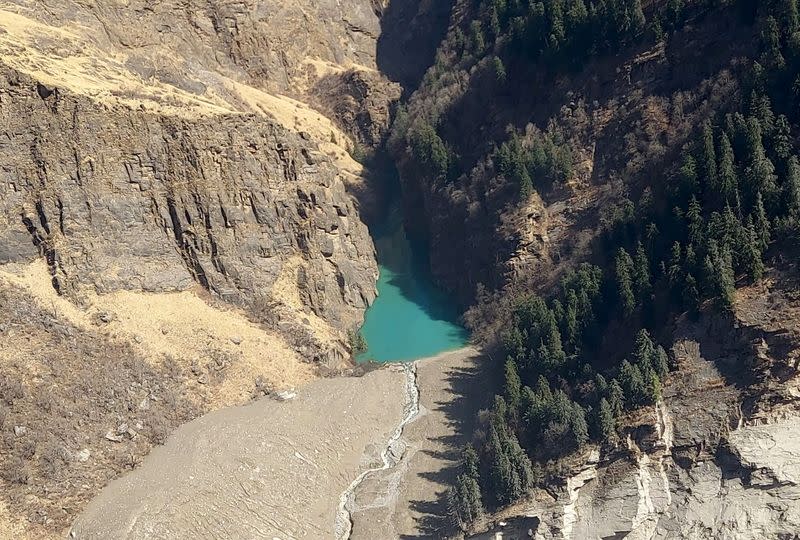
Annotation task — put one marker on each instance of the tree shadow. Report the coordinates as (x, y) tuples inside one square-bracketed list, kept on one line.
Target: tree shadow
[(470, 388)]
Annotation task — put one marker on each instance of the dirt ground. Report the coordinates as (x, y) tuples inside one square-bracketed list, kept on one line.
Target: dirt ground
[(271, 469), (408, 501), (276, 469)]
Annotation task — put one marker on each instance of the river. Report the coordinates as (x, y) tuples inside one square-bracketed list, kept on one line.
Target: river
[(411, 318)]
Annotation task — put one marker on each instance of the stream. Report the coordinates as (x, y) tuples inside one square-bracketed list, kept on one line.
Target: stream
[(344, 523)]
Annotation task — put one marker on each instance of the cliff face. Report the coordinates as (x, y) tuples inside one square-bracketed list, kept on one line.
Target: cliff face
[(120, 199)]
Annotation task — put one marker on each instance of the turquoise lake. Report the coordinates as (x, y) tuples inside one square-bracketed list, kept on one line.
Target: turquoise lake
[(411, 318)]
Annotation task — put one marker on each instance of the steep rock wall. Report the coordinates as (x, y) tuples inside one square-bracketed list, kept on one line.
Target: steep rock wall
[(120, 199)]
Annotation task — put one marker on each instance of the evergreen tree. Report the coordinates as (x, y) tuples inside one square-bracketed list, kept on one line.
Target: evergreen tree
[(623, 268), (675, 268), (694, 221), (601, 385), (513, 386), (687, 174), (633, 384), (760, 172), (727, 179), (471, 462), (786, 13), (782, 139), (725, 277), (653, 388), (752, 262), (761, 222), (771, 57), (498, 70), (478, 42), (661, 362), (644, 350), (641, 273), (616, 398), (465, 504), (791, 187), (429, 150), (708, 162), (500, 471), (522, 468), (606, 425)]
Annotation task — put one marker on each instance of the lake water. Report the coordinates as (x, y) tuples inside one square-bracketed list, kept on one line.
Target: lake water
[(411, 318)]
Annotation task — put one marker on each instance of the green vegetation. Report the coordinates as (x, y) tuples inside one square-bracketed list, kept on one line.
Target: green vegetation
[(706, 223), (357, 342)]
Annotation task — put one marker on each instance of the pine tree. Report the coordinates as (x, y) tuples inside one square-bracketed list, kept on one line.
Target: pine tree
[(513, 386), (751, 255), (786, 12), (760, 172), (641, 273), (499, 468), (771, 56), (653, 388), (725, 277), (691, 294), (601, 385), (791, 187), (633, 384), (761, 222), (477, 39), (606, 424), (579, 430), (687, 174), (782, 139), (623, 267), (644, 351), (694, 221), (728, 181), (471, 462), (708, 162), (675, 268), (465, 504), (637, 19), (522, 467), (616, 398), (429, 149), (761, 108), (498, 70)]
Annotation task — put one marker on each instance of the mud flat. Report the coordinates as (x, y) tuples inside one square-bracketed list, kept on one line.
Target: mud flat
[(352, 458), (407, 501), (271, 469)]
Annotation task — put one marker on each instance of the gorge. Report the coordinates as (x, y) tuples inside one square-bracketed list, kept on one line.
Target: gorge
[(566, 229)]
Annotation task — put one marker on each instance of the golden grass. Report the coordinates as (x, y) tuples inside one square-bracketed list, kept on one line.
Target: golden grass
[(178, 325), (70, 57)]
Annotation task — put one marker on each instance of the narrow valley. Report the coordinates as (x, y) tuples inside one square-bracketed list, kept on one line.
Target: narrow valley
[(399, 269)]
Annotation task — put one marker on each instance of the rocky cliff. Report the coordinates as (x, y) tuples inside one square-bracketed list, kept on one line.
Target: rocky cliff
[(176, 207), (116, 199)]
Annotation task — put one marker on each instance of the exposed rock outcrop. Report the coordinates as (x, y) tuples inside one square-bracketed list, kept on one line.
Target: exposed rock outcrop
[(119, 199)]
